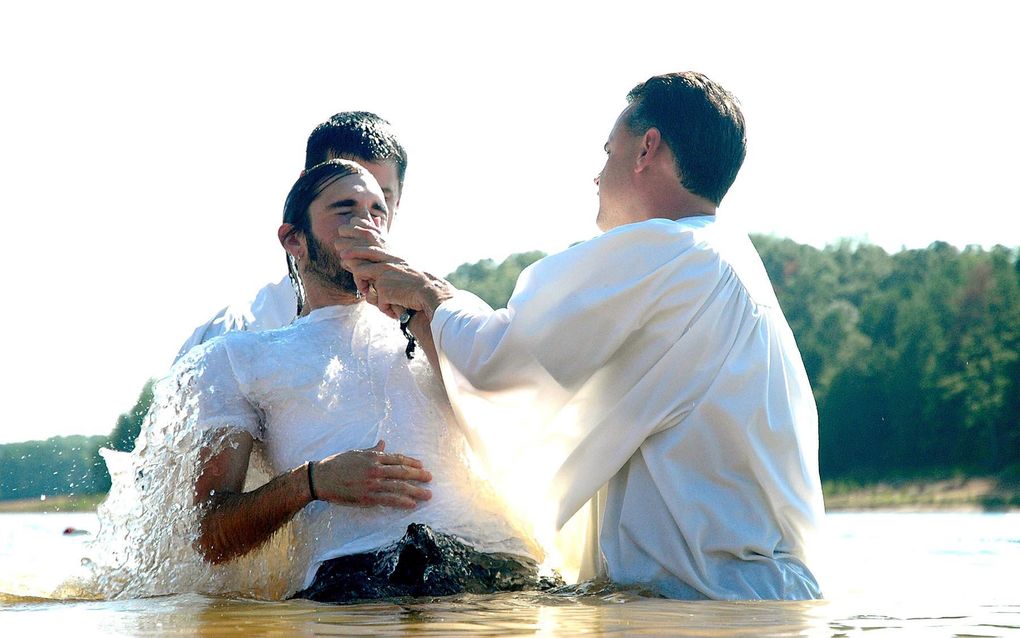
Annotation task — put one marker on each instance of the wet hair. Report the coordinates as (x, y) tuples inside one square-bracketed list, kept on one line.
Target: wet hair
[(357, 135), (701, 123), (308, 186)]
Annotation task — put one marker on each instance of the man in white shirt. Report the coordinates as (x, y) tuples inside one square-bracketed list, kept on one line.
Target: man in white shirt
[(337, 378), (650, 369)]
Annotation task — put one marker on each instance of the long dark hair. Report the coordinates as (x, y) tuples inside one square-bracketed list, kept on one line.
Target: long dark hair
[(309, 184)]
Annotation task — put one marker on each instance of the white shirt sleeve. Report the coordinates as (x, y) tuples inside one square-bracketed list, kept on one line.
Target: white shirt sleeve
[(560, 378), (215, 394)]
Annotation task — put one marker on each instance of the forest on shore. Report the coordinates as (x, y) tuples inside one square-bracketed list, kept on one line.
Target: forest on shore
[(914, 359)]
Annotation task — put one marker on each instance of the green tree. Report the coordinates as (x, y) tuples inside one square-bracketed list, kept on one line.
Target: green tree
[(129, 424), (58, 465), (493, 284)]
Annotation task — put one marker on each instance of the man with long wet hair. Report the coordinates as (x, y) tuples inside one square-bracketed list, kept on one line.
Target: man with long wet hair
[(323, 396), (360, 136)]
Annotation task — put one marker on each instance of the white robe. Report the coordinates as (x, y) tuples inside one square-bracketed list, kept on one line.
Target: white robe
[(652, 361), (274, 306)]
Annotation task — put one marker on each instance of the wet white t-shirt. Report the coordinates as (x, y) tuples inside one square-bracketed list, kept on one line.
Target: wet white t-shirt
[(336, 380)]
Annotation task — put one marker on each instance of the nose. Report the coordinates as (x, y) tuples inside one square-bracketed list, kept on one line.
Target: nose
[(597, 179), (367, 213)]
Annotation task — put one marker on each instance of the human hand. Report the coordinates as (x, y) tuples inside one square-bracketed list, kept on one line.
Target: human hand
[(363, 240), (394, 286), (365, 478)]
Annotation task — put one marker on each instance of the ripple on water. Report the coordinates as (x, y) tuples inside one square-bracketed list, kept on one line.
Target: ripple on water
[(531, 613)]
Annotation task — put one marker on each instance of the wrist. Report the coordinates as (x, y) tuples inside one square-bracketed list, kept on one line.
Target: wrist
[(435, 292), (310, 471)]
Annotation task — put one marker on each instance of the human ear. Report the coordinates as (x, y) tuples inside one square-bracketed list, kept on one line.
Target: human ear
[(651, 142), (292, 240)]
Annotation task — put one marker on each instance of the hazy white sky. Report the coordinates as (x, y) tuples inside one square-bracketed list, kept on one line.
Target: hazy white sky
[(146, 150)]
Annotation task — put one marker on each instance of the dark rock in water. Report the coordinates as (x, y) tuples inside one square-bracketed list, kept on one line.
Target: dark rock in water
[(423, 563)]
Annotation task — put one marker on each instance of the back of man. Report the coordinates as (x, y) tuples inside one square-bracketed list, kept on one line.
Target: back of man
[(692, 407)]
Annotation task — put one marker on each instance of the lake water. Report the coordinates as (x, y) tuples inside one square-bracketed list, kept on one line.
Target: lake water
[(916, 574)]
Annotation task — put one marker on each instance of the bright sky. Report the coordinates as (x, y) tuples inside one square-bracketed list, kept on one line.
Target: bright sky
[(146, 150)]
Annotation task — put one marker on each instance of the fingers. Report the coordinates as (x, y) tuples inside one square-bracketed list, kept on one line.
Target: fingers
[(364, 273), (399, 499), (404, 473), (391, 311), (398, 494), (399, 459), (374, 254), (362, 240), (361, 226)]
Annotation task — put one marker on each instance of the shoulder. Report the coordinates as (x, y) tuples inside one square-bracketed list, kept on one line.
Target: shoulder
[(223, 349), (628, 251), (273, 306), (642, 240)]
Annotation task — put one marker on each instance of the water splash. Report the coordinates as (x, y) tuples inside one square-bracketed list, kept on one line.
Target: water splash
[(149, 522)]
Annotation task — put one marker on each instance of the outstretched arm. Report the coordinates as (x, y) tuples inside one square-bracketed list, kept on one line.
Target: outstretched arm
[(234, 522), (388, 282), (385, 279)]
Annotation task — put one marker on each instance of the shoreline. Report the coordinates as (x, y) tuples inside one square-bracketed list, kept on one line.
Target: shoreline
[(961, 494), (55, 504), (974, 494)]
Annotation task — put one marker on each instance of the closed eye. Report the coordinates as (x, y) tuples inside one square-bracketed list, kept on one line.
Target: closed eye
[(343, 203)]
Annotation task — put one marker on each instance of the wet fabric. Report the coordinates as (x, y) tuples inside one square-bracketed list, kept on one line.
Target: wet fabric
[(337, 379), (653, 367), (422, 563)]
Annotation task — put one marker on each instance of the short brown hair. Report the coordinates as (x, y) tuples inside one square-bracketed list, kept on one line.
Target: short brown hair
[(701, 123)]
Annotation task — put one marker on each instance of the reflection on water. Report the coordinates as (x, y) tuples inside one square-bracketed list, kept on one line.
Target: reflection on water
[(493, 615), (902, 574)]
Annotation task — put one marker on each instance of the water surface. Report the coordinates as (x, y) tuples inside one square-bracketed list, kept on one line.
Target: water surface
[(933, 574)]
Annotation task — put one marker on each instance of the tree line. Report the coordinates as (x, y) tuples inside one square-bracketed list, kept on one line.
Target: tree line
[(914, 359), (68, 465)]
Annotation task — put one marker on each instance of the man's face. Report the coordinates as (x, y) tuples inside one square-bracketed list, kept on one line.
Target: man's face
[(339, 204), (615, 179), (386, 174)]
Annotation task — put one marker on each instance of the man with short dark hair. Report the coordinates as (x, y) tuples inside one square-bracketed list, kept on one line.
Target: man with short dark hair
[(650, 368)]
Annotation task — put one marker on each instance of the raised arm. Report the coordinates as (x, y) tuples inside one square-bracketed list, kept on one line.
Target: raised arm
[(233, 522)]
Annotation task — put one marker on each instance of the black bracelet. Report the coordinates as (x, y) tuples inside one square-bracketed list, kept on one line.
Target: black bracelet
[(405, 320), (311, 483)]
